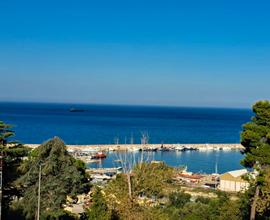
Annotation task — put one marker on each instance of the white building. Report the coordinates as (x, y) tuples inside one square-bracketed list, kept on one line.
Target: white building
[(233, 181)]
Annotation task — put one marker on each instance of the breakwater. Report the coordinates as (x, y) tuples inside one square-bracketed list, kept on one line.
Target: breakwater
[(134, 147)]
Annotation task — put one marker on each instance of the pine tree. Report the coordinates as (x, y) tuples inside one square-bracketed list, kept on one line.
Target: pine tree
[(255, 137), (12, 154), (61, 176), (99, 209)]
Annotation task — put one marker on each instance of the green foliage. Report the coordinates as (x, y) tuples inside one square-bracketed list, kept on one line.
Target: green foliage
[(62, 175), (116, 195), (179, 199), (244, 201), (255, 137), (5, 133), (99, 209), (117, 188), (58, 215), (195, 211), (151, 179), (80, 165), (146, 177), (12, 153), (203, 200), (230, 210), (214, 208), (175, 206)]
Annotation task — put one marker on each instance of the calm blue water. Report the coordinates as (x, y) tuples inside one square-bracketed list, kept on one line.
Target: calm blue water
[(100, 124), (204, 162)]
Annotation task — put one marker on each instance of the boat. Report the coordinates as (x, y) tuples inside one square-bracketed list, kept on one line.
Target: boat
[(89, 150), (226, 148), (164, 149), (99, 155), (152, 149), (76, 110), (191, 148), (134, 149), (180, 148)]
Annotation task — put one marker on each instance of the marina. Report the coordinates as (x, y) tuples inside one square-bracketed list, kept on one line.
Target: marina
[(196, 161), (149, 147), (202, 158)]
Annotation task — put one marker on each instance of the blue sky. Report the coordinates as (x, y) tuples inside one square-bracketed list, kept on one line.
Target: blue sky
[(180, 53)]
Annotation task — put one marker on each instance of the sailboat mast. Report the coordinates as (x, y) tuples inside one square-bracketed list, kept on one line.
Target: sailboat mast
[(131, 139)]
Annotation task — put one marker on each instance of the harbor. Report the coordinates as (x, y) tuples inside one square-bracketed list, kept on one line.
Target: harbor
[(149, 147), (202, 158), (210, 161)]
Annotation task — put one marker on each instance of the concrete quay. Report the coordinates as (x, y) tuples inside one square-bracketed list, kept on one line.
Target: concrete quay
[(134, 147)]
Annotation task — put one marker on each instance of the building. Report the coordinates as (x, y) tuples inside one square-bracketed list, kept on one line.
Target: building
[(189, 177), (233, 181)]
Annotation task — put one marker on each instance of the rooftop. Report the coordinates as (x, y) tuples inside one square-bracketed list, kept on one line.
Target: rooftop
[(237, 173)]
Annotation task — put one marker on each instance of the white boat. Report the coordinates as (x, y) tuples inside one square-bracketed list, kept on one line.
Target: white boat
[(226, 148), (100, 176), (205, 148), (90, 150), (134, 149), (179, 148)]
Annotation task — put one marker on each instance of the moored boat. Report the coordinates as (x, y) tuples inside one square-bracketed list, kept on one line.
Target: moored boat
[(99, 155), (180, 148)]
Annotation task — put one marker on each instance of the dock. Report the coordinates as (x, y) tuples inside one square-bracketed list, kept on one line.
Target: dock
[(103, 170), (135, 147)]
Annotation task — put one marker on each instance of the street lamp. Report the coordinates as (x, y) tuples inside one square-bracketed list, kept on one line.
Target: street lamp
[(39, 183)]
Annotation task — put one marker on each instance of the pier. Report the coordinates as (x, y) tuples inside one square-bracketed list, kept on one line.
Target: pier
[(103, 170), (134, 147)]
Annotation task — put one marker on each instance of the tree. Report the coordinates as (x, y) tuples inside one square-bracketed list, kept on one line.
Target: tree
[(99, 209), (5, 133), (61, 176), (179, 199), (117, 197), (220, 208), (229, 210), (147, 179), (255, 137), (12, 153), (151, 179)]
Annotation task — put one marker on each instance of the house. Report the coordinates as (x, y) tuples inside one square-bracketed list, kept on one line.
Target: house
[(233, 181)]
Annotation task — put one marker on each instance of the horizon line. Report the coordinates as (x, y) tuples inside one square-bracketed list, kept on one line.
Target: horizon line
[(122, 104)]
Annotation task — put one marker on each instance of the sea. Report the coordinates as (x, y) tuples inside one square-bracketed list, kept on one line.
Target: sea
[(35, 123)]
